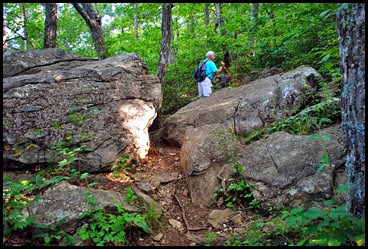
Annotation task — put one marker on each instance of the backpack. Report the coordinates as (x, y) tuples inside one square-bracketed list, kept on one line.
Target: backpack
[(200, 72)]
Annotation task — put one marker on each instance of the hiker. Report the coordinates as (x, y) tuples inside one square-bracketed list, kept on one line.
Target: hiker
[(204, 87)]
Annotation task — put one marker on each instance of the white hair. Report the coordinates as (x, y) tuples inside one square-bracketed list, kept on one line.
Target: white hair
[(209, 53)]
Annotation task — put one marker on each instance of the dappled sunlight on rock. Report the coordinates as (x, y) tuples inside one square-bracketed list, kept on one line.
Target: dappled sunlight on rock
[(137, 116)]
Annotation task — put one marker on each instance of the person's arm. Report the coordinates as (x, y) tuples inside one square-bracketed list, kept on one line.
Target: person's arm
[(220, 68)]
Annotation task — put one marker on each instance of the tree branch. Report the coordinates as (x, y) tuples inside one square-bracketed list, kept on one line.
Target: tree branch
[(20, 36)]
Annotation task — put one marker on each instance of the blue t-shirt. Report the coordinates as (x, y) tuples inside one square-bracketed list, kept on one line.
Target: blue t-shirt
[(210, 68)]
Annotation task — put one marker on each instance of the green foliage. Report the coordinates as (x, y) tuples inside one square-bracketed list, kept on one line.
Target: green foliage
[(332, 226), (53, 233), (104, 228), (70, 156), (120, 165), (210, 238), (152, 215), (14, 200), (325, 159), (130, 195)]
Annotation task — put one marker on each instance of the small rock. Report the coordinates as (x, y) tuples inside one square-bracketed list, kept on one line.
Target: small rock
[(237, 219), (177, 158), (218, 217), (185, 192), (165, 177), (172, 154), (176, 224), (161, 151), (158, 237), (144, 185), (193, 244)]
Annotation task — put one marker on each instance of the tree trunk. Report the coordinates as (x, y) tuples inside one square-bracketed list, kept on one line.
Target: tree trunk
[(164, 55), (192, 25), (351, 31), (25, 24), (93, 21), (206, 14), (5, 36), (254, 11), (219, 20), (136, 21), (255, 7), (165, 43), (50, 25)]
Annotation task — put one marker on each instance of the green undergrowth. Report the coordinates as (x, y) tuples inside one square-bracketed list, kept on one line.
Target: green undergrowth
[(328, 226), (101, 228), (109, 229)]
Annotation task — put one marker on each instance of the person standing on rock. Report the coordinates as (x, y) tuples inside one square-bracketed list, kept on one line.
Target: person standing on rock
[(205, 86)]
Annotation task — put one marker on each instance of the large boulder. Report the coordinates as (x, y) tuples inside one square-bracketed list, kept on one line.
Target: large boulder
[(247, 107), (70, 202), (235, 111), (105, 105), (284, 167)]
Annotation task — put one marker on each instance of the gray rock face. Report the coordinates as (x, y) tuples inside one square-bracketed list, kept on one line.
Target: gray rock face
[(283, 168), (105, 105), (234, 110), (67, 200), (247, 107), (35, 61)]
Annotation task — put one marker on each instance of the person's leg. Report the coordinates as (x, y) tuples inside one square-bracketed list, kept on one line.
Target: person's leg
[(206, 85), (200, 89)]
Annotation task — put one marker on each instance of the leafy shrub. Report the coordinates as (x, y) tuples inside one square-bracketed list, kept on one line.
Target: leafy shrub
[(106, 228), (332, 226), (53, 233), (14, 201)]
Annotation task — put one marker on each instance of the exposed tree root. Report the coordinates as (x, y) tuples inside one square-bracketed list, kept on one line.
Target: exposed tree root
[(189, 228)]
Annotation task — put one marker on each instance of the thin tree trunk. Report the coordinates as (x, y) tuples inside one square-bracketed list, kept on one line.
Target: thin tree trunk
[(136, 21), (165, 43), (5, 42), (192, 26), (93, 21), (25, 25), (351, 31), (206, 14), (164, 54), (254, 11), (50, 25), (219, 20), (255, 7)]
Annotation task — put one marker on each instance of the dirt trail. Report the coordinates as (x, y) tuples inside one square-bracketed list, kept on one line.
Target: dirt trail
[(161, 160)]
